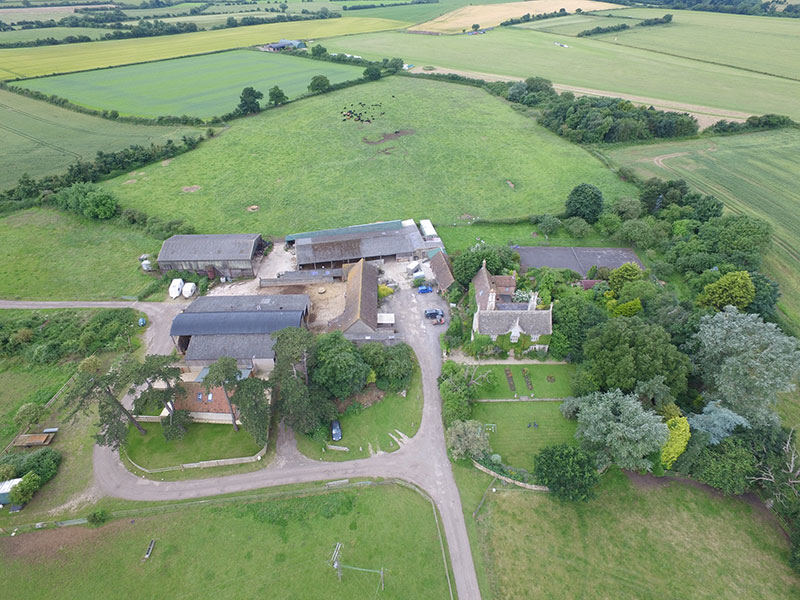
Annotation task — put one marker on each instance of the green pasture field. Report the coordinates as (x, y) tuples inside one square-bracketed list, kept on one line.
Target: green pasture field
[(59, 33), (372, 426), (42, 139), (656, 539), (20, 384), (48, 60), (51, 255), (514, 52), (171, 87), (574, 24), (461, 236), (34, 13), (754, 173), (539, 373), (762, 44), (278, 547), (307, 168), (203, 441), (514, 440)]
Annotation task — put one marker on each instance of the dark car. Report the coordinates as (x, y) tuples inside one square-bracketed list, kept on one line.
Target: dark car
[(336, 431), (433, 313)]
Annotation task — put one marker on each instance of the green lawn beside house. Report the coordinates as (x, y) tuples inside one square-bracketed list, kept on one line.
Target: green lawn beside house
[(548, 380)]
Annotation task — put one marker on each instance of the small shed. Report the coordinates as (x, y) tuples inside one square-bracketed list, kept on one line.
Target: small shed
[(228, 255), (5, 489)]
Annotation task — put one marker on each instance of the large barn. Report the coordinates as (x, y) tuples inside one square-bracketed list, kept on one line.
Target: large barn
[(227, 255), (236, 326)]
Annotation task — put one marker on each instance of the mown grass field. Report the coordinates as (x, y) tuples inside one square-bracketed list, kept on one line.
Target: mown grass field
[(202, 441), (763, 44), (548, 380), (516, 439), (663, 540), (372, 426), (306, 167), (41, 139), (589, 63), (50, 255), (47, 60), (753, 174), (59, 33), (236, 550), (171, 87)]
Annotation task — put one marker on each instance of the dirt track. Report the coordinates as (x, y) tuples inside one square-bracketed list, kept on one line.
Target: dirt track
[(705, 115)]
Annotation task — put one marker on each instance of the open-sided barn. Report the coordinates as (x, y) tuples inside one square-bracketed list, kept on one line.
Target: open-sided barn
[(228, 255)]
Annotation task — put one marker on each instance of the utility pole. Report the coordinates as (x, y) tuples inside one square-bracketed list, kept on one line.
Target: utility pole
[(336, 562)]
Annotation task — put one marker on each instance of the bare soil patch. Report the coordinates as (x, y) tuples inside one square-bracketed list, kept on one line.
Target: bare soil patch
[(165, 162), (490, 15), (130, 181), (389, 136), (190, 189)]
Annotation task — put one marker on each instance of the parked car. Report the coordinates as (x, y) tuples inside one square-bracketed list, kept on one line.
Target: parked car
[(175, 288), (433, 313), (142, 321), (336, 431), (425, 289)]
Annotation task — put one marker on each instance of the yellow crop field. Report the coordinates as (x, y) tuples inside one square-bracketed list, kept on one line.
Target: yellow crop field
[(46, 60), (490, 15)]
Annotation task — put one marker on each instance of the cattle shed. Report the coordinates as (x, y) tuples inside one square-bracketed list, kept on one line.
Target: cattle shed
[(227, 255)]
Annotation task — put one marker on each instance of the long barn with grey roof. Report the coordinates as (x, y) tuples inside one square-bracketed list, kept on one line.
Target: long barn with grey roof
[(228, 255), (374, 241), (236, 326)]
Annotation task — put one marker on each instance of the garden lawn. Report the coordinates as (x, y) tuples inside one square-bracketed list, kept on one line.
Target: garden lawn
[(306, 167), (459, 237), (41, 139), (47, 254), (273, 548), (514, 440), (171, 87), (371, 426), (588, 63), (658, 540), (203, 441), (753, 174), (539, 373), (47, 60)]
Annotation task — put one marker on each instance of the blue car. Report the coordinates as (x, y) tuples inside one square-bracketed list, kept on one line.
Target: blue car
[(336, 431), (425, 289)]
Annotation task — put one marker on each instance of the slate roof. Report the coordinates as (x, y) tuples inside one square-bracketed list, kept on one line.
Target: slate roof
[(222, 323), (483, 284), (442, 272), (342, 247), (261, 303), (361, 296), (240, 347), (530, 322), (230, 246)]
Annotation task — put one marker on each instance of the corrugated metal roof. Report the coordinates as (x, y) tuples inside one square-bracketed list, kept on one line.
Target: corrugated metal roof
[(253, 303), (351, 230), (348, 247), (231, 246), (221, 323), (240, 347)]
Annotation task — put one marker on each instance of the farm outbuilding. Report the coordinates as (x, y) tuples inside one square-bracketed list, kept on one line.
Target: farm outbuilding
[(285, 44), (236, 326), (360, 315), (227, 255)]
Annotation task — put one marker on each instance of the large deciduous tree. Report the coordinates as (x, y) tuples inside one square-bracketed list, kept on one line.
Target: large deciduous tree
[(252, 401), (467, 264), (224, 373), (732, 289), (585, 201), (619, 430), (745, 362), (248, 101), (569, 472), (338, 367), (717, 421), (573, 316), (319, 83), (623, 351), (467, 439), (276, 96)]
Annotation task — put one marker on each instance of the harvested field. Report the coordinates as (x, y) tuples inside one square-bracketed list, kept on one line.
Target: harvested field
[(490, 15), (42, 13)]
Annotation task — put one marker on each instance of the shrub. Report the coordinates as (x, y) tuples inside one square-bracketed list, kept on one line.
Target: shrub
[(679, 435), (585, 201), (467, 439), (98, 517), (28, 414), (569, 472), (7, 472), (384, 291), (174, 426), (43, 462), (25, 489), (88, 200), (577, 227)]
